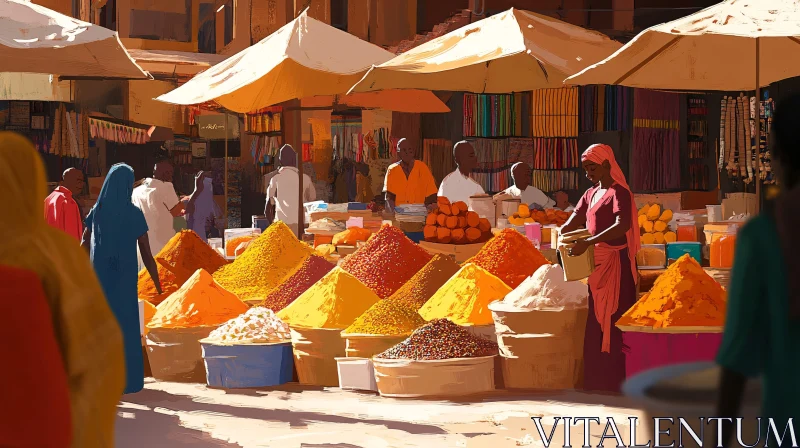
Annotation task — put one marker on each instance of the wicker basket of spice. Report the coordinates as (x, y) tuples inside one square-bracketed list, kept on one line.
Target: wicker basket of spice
[(439, 359), (382, 326)]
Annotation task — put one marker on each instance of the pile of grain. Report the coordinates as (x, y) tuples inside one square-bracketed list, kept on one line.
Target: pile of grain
[(441, 339)]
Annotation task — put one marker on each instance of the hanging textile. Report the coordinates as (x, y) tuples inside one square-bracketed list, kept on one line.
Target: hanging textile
[(492, 115), (552, 181), (438, 156), (264, 121), (520, 150), (617, 108), (117, 133), (556, 153), (492, 172), (555, 112), (656, 141)]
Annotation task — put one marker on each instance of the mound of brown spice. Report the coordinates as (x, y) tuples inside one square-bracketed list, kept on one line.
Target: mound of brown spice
[(441, 339), (422, 286)]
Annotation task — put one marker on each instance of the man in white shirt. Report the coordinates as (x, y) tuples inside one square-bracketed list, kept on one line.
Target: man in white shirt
[(523, 190), (160, 204), (458, 186), (283, 191)]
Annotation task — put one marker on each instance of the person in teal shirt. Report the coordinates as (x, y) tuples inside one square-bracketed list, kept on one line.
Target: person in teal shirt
[(762, 326)]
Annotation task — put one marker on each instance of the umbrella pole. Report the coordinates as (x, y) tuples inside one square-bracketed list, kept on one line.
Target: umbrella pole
[(226, 170), (758, 128), (301, 209)]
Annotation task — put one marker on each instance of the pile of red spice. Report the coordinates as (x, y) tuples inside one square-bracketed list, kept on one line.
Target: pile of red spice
[(510, 256), (387, 261), (310, 272)]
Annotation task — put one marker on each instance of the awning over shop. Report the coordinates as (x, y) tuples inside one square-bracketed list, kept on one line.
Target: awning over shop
[(35, 39), (304, 58), (514, 51), (175, 63), (34, 87), (409, 101), (718, 48)]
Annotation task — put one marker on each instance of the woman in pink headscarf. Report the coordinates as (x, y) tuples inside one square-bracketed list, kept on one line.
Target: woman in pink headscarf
[(608, 211)]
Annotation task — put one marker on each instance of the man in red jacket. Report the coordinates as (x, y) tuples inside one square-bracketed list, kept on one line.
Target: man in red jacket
[(60, 209)]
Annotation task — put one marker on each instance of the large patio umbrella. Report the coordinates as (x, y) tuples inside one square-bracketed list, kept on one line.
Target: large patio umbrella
[(514, 51), (304, 58), (734, 45), (34, 39)]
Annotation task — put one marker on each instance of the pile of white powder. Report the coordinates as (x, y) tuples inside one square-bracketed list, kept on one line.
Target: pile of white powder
[(547, 290)]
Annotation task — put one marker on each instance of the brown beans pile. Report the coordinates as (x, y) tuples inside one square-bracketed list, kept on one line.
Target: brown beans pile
[(310, 272), (441, 339), (426, 282), (386, 262)]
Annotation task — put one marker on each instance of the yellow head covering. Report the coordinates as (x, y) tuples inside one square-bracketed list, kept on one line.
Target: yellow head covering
[(87, 332)]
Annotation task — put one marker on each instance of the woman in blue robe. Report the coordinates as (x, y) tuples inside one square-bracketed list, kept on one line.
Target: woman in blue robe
[(114, 226)]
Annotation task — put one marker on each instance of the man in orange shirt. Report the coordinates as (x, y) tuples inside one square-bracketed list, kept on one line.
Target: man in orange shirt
[(408, 181), (60, 209)]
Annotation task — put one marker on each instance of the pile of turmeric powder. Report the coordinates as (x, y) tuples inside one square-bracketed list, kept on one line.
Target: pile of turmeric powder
[(465, 298), (200, 302), (184, 254), (683, 296), (269, 259), (334, 302)]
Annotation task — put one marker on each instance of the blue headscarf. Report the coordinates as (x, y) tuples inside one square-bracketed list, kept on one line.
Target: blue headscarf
[(109, 215)]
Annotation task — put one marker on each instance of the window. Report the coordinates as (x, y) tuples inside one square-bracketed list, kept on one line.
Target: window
[(174, 22), (207, 34), (108, 15), (229, 14), (339, 14)]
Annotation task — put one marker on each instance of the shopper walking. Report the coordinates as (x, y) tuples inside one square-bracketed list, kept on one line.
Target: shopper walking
[(283, 192), (60, 208), (157, 199), (114, 229), (201, 210), (88, 336), (608, 212), (762, 326)]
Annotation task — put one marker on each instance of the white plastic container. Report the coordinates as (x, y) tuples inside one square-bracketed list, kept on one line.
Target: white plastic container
[(714, 213), (356, 374), (215, 243)]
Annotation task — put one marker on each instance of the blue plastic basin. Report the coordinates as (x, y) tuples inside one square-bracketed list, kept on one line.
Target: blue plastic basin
[(247, 366), (677, 250)]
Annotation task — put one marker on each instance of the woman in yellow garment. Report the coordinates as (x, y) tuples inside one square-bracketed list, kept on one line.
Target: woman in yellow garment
[(87, 332), (408, 181)]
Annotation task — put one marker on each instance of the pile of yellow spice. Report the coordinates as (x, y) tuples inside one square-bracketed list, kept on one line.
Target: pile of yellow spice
[(683, 296)]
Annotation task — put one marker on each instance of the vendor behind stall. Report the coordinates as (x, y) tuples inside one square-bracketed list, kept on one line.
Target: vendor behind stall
[(282, 192), (408, 181), (524, 191), (458, 186)]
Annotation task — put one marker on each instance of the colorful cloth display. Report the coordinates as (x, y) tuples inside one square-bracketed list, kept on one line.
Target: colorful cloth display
[(555, 112), (113, 132), (656, 141), (493, 115), (556, 153)]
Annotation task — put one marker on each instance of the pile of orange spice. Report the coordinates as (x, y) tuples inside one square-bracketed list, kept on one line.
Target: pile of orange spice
[(180, 258), (509, 256), (683, 296)]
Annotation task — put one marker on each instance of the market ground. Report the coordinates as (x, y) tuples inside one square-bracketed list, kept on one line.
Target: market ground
[(177, 415)]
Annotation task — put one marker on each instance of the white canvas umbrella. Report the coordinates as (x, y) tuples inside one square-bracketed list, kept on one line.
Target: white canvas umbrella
[(34, 39), (734, 45)]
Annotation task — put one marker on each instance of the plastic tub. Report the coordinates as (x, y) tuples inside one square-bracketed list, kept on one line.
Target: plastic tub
[(722, 249), (247, 365), (436, 378), (356, 374), (677, 250)]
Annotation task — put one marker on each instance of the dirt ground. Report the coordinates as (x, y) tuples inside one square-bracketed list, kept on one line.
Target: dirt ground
[(177, 415)]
